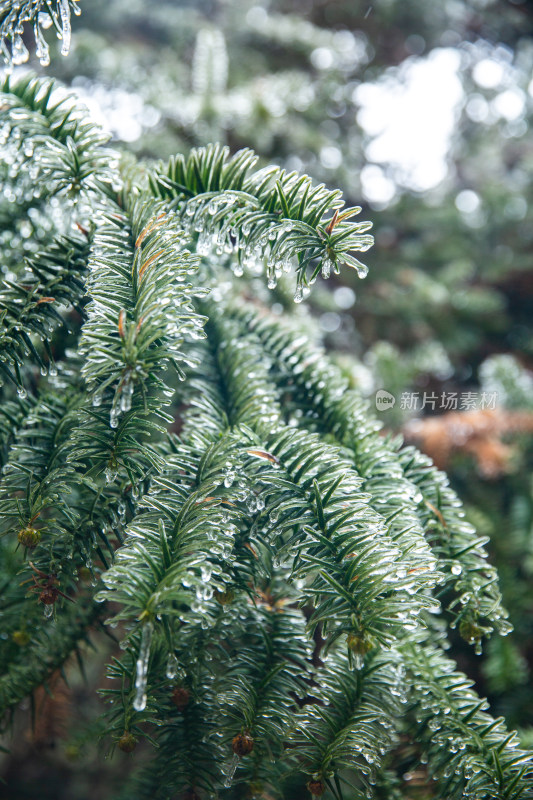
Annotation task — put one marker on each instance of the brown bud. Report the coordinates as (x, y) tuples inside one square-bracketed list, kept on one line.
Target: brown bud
[(316, 788), (127, 742), (49, 595), (242, 744), (181, 697), (29, 537)]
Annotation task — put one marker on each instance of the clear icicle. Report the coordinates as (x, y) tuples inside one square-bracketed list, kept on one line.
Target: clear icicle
[(64, 10), (7, 57), (19, 51), (49, 611), (42, 51), (172, 667), (139, 701), (327, 264), (231, 771)]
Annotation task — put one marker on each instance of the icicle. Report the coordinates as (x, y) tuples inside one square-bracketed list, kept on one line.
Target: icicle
[(64, 10), (172, 667), (298, 295), (49, 611), (19, 50), (7, 57), (42, 51), (231, 771), (110, 475), (139, 702), (44, 20), (327, 264), (126, 396)]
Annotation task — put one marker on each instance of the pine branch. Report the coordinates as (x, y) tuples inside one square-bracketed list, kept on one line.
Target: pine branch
[(31, 308), (268, 214), (405, 487), (49, 132), (467, 751), (352, 727)]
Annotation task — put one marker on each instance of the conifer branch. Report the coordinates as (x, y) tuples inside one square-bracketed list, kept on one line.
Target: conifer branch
[(267, 214)]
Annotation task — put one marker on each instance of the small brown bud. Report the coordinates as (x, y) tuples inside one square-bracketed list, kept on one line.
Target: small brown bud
[(316, 788), (127, 742), (242, 744), (29, 537), (49, 595), (181, 697)]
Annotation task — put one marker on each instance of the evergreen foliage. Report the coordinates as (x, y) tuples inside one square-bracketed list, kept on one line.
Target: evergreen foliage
[(192, 469)]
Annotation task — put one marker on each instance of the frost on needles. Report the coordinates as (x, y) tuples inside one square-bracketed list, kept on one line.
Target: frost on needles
[(184, 465)]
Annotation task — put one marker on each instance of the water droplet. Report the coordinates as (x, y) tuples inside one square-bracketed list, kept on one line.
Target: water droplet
[(49, 611), (327, 265), (456, 569), (42, 50), (231, 771), (20, 52), (139, 701), (172, 667), (298, 295), (64, 11), (110, 474)]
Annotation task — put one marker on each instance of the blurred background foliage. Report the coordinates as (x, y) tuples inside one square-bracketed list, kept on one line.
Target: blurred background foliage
[(422, 112)]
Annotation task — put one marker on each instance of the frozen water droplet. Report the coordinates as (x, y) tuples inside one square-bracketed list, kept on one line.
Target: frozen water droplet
[(231, 771), (19, 50), (172, 667), (110, 474), (21, 391), (64, 11), (42, 50), (44, 19), (327, 265), (139, 701), (49, 611), (456, 569), (298, 295)]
